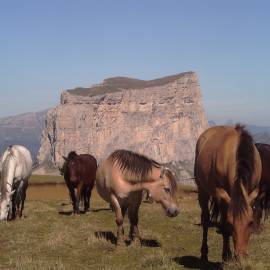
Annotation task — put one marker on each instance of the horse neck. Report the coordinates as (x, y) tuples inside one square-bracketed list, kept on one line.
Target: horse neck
[(8, 173), (145, 183)]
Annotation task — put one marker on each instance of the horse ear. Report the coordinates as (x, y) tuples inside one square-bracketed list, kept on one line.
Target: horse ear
[(163, 171), (223, 195), (11, 193), (64, 158), (252, 196)]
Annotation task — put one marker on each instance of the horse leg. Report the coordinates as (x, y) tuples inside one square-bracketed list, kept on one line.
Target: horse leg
[(73, 198), (78, 191), (25, 186), (119, 214), (12, 211), (205, 220), (226, 251), (87, 195), (134, 234)]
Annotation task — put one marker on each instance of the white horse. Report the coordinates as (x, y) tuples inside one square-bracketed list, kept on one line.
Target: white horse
[(15, 169)]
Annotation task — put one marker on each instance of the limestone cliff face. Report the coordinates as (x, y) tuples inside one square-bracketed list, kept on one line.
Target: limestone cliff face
[(160, 118)]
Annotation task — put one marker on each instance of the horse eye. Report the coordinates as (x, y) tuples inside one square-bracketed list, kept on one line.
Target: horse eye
[(250, 223)]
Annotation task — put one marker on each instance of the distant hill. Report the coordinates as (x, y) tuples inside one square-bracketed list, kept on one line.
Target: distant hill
[(24, 129), (260, 134)]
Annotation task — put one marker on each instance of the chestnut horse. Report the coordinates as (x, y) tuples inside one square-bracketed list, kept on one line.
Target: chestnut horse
[(121, 179), (79, 173), (263, 200), (227, 171)]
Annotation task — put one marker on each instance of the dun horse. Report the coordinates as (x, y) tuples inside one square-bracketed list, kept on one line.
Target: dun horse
[(121, 179), (228, 170), (263, 200), (79, 173), (15, 167)]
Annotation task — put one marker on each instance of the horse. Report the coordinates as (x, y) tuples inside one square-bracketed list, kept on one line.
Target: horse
[(262, 203), (121, 179), (16, 167), (79, 173), (227, 170)]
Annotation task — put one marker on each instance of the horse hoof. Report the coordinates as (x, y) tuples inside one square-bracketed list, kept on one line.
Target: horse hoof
[(136, 241)]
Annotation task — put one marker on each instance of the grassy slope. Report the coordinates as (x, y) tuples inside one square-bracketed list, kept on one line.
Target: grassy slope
[(49, 240)]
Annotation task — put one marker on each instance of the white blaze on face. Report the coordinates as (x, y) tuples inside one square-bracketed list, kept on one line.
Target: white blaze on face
[(5, 205), (4, 209)]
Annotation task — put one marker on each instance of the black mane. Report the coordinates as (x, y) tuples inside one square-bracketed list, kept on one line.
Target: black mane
[(245, 169), (72, 155)]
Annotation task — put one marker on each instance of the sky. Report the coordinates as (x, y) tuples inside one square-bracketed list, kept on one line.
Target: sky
[(49, 46)]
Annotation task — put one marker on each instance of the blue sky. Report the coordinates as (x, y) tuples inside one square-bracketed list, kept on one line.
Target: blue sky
[(48, 46)]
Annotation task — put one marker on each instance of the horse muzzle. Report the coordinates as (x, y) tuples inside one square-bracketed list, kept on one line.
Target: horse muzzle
[(172, 212), (3, 218)]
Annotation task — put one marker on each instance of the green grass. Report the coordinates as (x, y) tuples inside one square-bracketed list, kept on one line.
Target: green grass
[(47, 240)]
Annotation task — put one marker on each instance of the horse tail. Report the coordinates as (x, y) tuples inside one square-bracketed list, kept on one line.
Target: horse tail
[(245, 169)]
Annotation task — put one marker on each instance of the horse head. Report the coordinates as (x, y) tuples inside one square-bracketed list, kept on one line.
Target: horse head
[(163, 191), (240, 219), (70, 166), (5, 204)]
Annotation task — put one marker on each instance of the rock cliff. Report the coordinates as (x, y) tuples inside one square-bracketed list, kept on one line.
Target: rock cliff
[(160, 118)]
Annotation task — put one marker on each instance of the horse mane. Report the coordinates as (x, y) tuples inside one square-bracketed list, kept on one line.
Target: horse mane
[(172, 180), (72, 155), (8, 155), (244, 171), (134, 166)]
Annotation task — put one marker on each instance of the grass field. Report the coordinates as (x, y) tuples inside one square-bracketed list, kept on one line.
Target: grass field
[(50, 238), (46, 179)]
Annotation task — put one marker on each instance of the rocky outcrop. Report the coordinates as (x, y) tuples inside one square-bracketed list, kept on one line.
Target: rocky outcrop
[(160, 118)]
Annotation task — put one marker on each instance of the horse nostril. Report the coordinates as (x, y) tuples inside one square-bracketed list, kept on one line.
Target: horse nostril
[(175, 213), (172, 212)]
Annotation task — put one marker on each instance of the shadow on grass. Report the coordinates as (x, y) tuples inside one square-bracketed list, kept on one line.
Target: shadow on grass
[(110, 237), (69, 213), (101, 209), (150, 243), (193, 262)]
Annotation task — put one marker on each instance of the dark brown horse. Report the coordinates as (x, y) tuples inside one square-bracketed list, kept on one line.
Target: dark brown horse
[(263, 200), (228, 171), (80, 174)]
